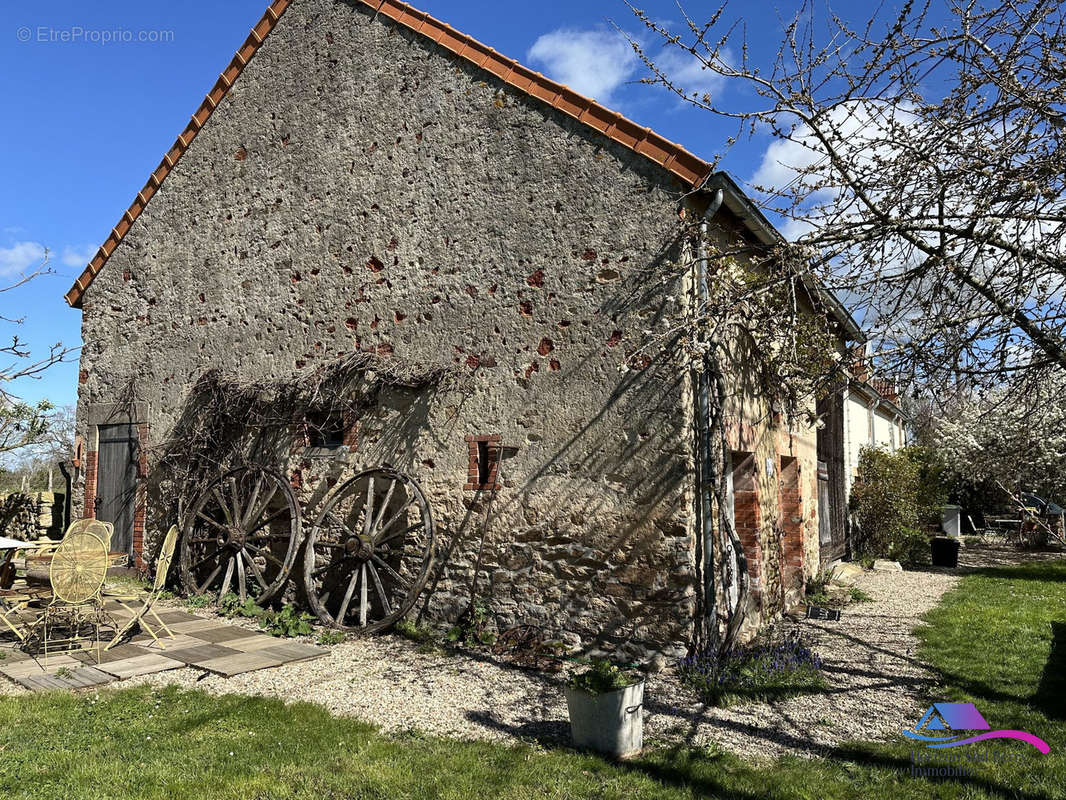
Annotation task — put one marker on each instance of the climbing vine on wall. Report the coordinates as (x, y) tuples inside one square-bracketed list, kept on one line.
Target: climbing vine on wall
[(752, 324), (226, 422)]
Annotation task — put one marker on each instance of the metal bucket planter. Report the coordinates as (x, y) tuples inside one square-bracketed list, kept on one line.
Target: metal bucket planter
[(608, 722)]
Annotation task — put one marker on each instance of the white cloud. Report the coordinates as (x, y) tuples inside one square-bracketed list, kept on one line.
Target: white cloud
[(688, 73), (597, 62), (592, 62), (20, 256), (77, 256), (799, 163)]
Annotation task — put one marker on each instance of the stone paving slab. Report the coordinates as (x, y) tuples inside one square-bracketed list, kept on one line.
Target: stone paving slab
[(199, 653), (81, 678), (33, 666), (252, 642), (228, 666), (140, 665), (198, 642), (176, 616), (225, 634), (295, 651), (11, 655), (116, 653), (189, 626)]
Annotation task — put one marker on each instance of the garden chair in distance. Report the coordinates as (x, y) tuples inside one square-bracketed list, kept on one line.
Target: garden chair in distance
[(37, 562), (146, 616), (76, 574)]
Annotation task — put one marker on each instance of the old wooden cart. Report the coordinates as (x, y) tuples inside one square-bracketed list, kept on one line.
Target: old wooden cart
[(366, 556)]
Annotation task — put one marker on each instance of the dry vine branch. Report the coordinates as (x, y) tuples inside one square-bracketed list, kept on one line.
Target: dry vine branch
[(751, 324), (927, 170), (24, 424), (226, 422)]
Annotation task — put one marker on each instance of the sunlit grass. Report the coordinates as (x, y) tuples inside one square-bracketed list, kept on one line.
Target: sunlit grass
[(991, 640)]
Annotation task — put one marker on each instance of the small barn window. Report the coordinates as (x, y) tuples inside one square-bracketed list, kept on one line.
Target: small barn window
[(484, 461), (326, 431)]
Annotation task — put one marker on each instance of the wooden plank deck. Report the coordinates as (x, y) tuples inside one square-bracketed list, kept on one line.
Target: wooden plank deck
[(201, 643)]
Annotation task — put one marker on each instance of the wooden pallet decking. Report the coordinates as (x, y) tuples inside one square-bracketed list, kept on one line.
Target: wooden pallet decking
[(201, 643)]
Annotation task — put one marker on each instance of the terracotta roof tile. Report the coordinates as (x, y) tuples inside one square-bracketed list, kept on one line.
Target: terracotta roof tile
[(691, 169)]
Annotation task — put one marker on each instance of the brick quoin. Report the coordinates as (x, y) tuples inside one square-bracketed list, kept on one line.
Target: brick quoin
[(351, 430), (90, 484), (791, 510), (493, 456), (747, 517), (140, 511)]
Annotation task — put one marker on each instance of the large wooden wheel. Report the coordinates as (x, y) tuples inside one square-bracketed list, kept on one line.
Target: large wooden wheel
[(369, 552), (241, 535)]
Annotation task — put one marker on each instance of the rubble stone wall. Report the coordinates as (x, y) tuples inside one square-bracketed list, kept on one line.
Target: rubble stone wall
[(361, 190)]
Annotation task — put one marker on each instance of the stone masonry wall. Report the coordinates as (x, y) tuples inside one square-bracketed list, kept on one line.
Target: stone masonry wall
[(33, 515), (359, 189)]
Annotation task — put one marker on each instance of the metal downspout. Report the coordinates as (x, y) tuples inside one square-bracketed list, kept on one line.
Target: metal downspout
[(703, 427)]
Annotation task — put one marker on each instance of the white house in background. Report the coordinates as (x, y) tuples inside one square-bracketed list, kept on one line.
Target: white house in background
[(871, 419)]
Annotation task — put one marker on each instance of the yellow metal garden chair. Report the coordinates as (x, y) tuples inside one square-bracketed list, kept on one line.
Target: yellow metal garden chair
[(13, 603), (76, 574), (37, 562), (145, 616)]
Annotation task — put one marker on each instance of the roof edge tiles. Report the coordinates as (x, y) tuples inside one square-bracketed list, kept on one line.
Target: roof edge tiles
[(672, 157)]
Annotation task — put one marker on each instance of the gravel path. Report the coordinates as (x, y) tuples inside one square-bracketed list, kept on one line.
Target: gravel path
[(868, 655), (875, 683)]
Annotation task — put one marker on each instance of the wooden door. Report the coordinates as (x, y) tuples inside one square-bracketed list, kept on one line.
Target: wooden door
[(825, 513), (116, 482), (832, 494)]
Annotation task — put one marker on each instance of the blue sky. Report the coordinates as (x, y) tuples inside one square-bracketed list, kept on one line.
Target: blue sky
[(88, 119)]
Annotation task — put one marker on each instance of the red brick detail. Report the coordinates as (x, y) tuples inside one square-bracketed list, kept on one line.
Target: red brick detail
[(90, 484), (791, 523), (140, 511), (747, 516), (299, 439), (492, 454), (351, 430)]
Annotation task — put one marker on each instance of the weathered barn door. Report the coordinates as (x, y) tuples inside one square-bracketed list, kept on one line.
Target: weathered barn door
[(117, 482), (832, 493), (825, 522)]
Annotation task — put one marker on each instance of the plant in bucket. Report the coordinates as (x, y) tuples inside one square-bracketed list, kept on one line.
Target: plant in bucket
[(604, 702)]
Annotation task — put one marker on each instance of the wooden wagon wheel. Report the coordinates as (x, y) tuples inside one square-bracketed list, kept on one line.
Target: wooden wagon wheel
[(241, 535), (369, 552)]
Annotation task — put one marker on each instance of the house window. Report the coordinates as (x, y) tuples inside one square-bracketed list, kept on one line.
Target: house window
[(483, 462), (326, 431)]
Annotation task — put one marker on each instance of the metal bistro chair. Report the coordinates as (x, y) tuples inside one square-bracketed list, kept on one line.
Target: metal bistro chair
[(76, 574), (37, 563), (145, 613)]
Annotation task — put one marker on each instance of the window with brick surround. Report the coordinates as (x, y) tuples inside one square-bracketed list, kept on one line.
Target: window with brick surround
[(325, 430), (322, 432), (483, 461)]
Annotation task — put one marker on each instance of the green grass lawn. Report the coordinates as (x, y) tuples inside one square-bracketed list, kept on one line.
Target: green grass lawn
[(993, 640)]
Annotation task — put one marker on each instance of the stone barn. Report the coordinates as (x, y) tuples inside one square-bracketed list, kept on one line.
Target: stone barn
[(365, 186)]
